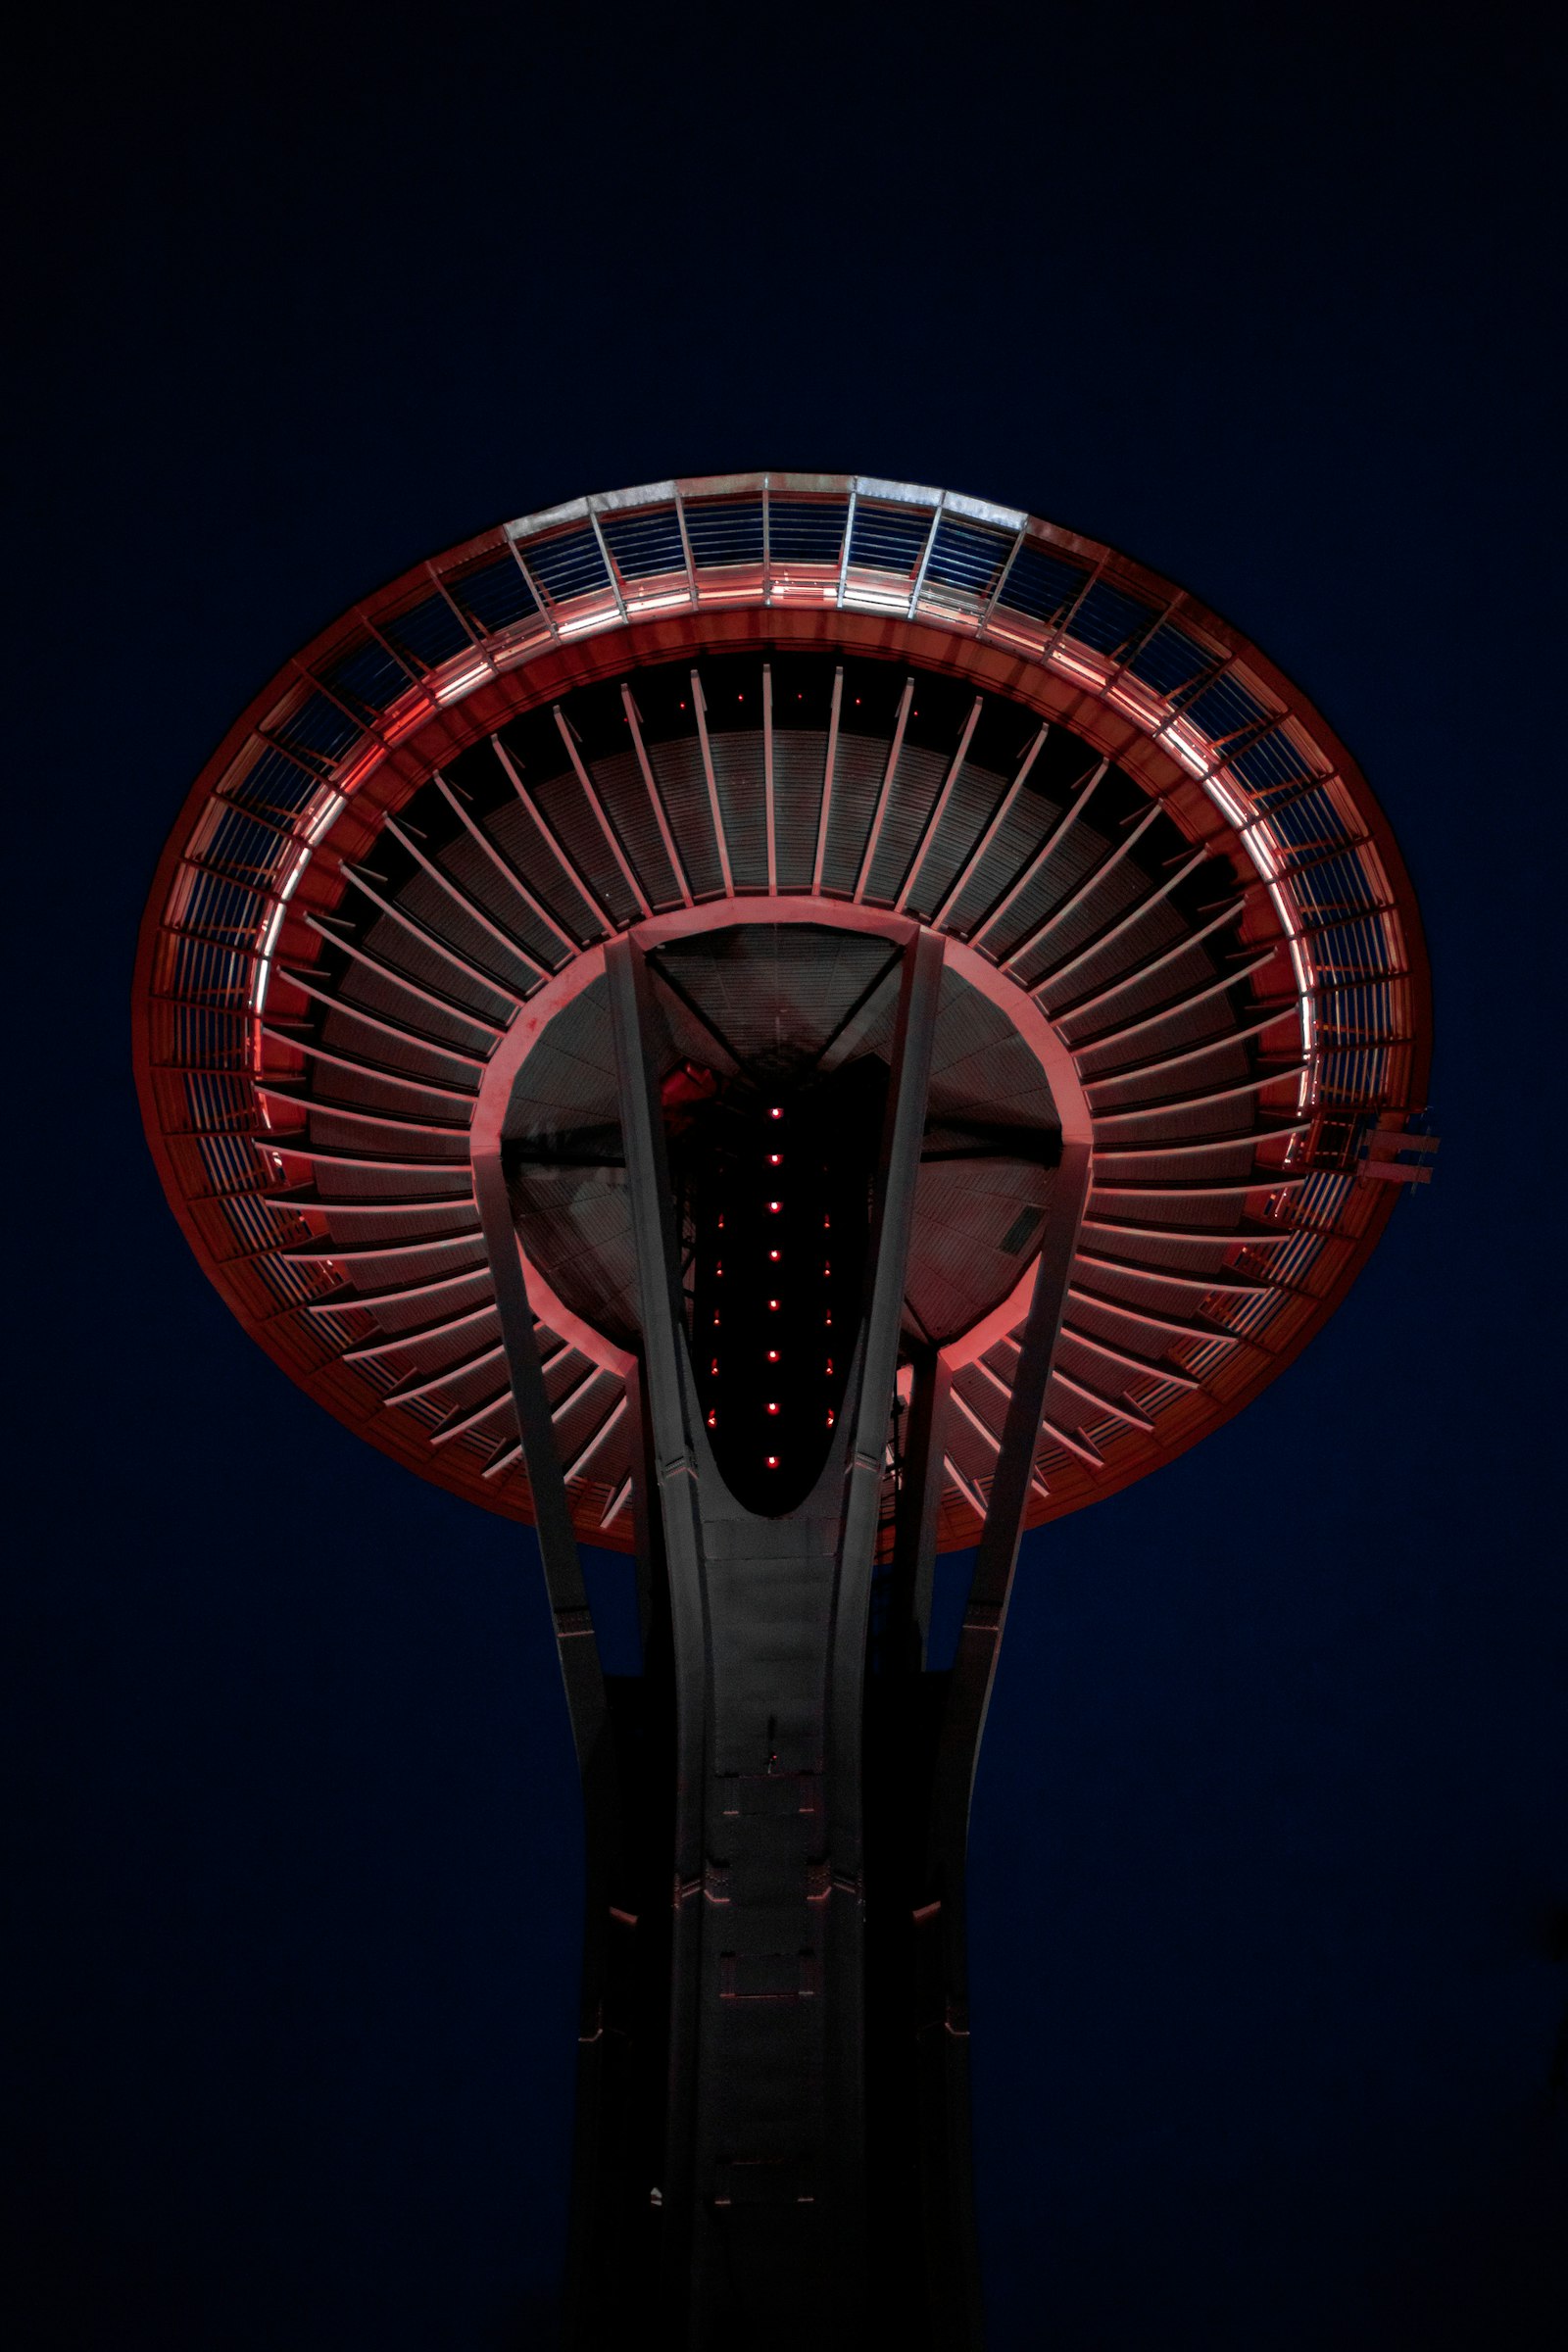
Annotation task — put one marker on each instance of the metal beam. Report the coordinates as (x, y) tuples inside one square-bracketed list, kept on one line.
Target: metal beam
[(666, 1384), (715, 813), (939, 807), (580, 1673), (503, 865), (940, 1919), (999, 817)]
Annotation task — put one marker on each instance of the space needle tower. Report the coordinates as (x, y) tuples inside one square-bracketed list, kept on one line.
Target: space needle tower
[(781, 1024)]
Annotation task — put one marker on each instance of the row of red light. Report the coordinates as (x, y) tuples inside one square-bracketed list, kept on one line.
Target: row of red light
[(776, 1159)]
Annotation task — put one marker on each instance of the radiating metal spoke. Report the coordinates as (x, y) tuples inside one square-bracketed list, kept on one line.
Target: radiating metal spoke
[(1172, 1061), (320, 1251), (466, 904), (1140, 1364), (1127, 1413), (829, 763), (344, 1302), (1170, 1105), (585, 1454), (390, 1342), (1083, 793), (590, 793), (976, 857), (1123, 923), (502, 865), (404, 1120), (656, 799), (1205, 1283), (400, 979), (1148, 965), (939, 809), (1165, 1147), (398, 1031), (601, 919), (476, 976), (714, 810), (878, 814), (1083, 888), (380, 1071)]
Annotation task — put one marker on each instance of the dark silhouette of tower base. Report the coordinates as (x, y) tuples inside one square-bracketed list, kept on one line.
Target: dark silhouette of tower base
[(773, 2093)]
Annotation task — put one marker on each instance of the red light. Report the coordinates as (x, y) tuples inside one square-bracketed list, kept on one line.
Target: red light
[(715, 1318), (827, 1223), (718, 1270), (773, 1461), (776, 1159), (713, 1366), (713, 1420), (720, 1224), (774, 1206), (773, 1357), (772, 1408), (773, 1253), (829, 1365), (775, 1112), (826, 1268), (830, 1420), (827, 1318), (774, 1306)]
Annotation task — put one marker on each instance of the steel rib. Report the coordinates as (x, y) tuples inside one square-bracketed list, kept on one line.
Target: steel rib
[(400, 979), (716, 811), (598, 914), (1083, 792), (596, 806), (399, 1031), (939, 809), (1004, 808), (503, 865), (879, 813), (465, 903), (432, 939), (1123, 922), (1082, 889), (377, 1070), (656, 799)]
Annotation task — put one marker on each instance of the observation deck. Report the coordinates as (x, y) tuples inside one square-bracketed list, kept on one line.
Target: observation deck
[(774, 726)]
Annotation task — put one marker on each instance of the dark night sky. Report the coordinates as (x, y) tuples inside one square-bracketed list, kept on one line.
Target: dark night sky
[(1270, 1837)]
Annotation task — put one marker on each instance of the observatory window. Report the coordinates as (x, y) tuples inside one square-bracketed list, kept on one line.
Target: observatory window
[(495, 596), (367, 677), (728, 533), (645, 541), (567, 566), (801, 532), (1169, 660), (1107, 619), (887, 539), (317, 727), (1042, 584), (1225, 709), (967, 556), (431, 631)]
